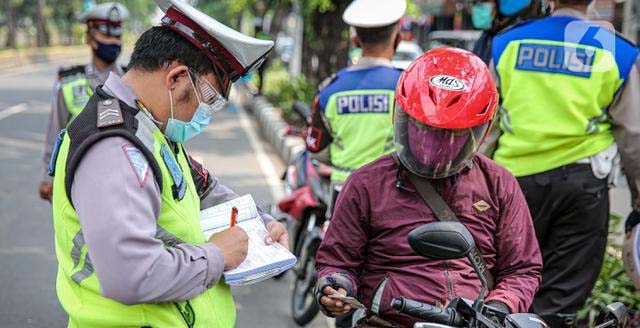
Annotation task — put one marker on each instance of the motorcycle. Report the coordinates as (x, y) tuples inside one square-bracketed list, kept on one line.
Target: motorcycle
[(308, 189), (452, 240)]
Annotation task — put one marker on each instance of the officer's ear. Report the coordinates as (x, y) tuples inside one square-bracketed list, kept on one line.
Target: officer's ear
[(88, 40), (397, 38), (356, 41), (396, 41), (177, 75)]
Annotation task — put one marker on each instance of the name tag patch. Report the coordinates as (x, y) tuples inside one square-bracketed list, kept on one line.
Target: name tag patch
[(179, 186), (365, 103), (547, 58)]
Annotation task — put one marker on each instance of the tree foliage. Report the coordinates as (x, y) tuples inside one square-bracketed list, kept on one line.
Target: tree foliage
[(36, 20)]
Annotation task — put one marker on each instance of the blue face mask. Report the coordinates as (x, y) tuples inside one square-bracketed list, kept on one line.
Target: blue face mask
[(108, 52), (482, 15), (512, 7), (179, 131)]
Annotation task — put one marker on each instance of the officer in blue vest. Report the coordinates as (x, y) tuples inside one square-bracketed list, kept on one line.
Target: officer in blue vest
[(570, 102), (352, 111), (75, 84)]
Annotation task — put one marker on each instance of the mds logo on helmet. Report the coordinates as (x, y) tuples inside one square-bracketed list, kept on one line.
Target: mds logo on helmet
[(447, 82)]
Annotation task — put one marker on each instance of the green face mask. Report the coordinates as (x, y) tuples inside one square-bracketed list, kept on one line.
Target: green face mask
[(482, 15)]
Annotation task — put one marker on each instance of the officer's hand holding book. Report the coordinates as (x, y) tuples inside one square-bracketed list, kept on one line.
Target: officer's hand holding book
[(277, 233), (234, 244)]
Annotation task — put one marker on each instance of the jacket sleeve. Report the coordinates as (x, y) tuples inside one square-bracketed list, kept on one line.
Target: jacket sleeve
[(518, 260), (319, 131), (625, 115), (57, 120), (343, 248)]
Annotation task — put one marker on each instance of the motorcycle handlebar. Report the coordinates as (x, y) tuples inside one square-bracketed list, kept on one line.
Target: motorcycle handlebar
[(429, 313), (302, 110)]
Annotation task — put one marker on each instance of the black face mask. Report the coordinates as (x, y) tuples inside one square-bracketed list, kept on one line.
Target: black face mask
[(107, 52)]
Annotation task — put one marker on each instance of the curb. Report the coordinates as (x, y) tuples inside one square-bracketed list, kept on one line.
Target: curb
[(271, 124)]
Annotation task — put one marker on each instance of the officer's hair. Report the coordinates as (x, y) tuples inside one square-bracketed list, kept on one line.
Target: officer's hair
[(375, 36), (160, 46)]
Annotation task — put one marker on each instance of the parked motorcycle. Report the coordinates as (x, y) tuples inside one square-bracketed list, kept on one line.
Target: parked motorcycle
[(452, 240), (307, 185)]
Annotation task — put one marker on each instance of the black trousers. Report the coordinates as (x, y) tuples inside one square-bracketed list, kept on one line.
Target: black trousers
[(570, 210)]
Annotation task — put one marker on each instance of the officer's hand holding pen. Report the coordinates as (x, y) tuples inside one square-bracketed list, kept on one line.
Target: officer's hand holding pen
[(233, 243)]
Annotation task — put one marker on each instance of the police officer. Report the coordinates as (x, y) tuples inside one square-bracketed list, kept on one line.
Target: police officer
[(75, 84), (127, 198), (492, 17), (570, 97), (352, 112)]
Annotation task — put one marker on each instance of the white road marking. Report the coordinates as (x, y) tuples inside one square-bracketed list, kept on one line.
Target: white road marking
[(266, 166), (16, 109)]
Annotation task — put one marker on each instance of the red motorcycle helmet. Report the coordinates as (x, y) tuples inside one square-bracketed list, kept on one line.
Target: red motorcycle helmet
[(445, 103)]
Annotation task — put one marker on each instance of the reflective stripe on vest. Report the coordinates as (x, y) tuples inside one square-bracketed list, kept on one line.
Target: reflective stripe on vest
[(361, 121), (167, 239), (178, 222), (76, 91)]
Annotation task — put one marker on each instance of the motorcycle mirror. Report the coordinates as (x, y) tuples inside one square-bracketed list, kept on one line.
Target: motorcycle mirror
[(441, 240), (612, 315), (302, 110)]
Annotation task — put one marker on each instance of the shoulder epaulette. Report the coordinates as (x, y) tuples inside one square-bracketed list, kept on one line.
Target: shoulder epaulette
[(327, 81), (66, 71), (109, 113)]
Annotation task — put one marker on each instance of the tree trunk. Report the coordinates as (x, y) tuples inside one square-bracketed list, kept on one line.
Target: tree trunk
[(12, 25), (41, 24), (278, 20), (324, 40)]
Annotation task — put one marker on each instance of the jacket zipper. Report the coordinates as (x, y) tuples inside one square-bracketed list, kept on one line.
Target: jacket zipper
[(449, 283)]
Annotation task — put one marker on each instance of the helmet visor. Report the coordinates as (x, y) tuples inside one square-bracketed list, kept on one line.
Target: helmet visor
[(434, 152)]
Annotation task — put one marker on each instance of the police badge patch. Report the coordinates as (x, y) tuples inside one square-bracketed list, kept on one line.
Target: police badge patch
[(138, 162)]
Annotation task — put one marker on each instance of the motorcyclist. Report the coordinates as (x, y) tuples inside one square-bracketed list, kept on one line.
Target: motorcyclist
[(445, 103)]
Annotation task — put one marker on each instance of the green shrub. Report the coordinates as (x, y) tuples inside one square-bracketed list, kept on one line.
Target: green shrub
[(282, 90), (613, 284)]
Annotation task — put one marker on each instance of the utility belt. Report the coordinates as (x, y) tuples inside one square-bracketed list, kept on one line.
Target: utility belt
[(603, 165)]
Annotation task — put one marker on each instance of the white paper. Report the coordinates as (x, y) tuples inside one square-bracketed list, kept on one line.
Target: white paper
[(263, 261)]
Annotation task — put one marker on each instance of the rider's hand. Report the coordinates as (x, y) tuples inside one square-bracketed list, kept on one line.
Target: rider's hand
[(632, 220), (233, 243), (278, 233), (46, 190), (334, 307)]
